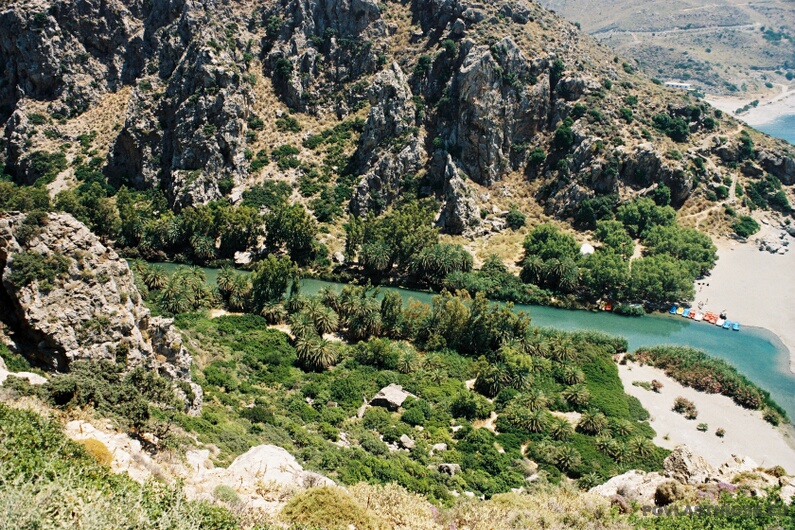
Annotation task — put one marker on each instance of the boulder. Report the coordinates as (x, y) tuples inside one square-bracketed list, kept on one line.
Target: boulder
[(687, 467), (449, 469), (406, 442), (391, 397), (633, 485), (438, 448)]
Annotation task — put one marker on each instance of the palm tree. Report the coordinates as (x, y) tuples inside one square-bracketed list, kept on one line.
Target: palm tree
[(493, 379), (563, 350), (239, 293), (576, 395), (569, 275), (376, 257), (408, 361), (567, 458), (203, 247), (365, 319), (174, 297), (535, 400), (330, 298), (603, 442), (301, 325), (560, 429), (573, 375), (536, 420), (154, 277), (532, 269), (621, 427), (273, 312), (640, 446), (317, 354), (224, 280), (521, 379), (592, 423)]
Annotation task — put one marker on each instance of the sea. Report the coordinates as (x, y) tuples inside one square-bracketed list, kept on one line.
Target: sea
[(783, 127)]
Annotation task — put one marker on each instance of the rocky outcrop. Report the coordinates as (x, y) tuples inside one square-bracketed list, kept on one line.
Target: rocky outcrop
[(633, 485), (263, 477), (391, 146), (688, 475), (686, 467), (777, 164), (68, 297), (391, 397), (460, 213)]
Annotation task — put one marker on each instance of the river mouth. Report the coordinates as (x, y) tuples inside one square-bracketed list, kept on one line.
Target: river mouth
[(756, 352)]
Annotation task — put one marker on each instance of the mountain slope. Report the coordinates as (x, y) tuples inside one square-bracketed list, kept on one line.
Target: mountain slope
[(202, 100)]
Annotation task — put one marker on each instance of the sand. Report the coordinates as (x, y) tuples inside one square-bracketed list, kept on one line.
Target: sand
[(768, 110), (755, 288), (747, 434)]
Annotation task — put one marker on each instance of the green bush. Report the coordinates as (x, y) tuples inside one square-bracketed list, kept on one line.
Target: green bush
[(745, 226), (29, 266)]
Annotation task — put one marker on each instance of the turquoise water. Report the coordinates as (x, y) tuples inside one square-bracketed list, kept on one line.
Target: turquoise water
[(783, 127), (755, 352)]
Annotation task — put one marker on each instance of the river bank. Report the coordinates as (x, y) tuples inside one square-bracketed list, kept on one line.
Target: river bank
[(746, 433), (754, 287)]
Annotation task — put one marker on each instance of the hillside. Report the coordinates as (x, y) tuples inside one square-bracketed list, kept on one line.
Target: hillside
[(725, 47)]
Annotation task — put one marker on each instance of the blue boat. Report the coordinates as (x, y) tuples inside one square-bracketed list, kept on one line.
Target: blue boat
[(736, 326), (686, 313), (727, 324), (673, 309)]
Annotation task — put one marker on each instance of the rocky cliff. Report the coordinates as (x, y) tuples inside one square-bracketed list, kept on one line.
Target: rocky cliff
[(66, 297), (452, 90)]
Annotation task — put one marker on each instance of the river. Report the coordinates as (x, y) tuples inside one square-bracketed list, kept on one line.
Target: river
[(755, 352)]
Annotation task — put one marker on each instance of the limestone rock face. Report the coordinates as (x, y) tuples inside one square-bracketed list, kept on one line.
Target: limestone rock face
[(460, 213), (89, 310), (633, 485), (390, 147), (686, 467), (777, 164)]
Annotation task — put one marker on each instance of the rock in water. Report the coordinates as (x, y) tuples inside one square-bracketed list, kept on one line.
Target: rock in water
[(67, 297)]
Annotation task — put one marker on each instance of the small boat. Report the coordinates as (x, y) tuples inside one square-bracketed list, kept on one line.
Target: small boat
[(609, 306), (727, 324), (710, 317), (699, 317), (693, 314), (673, 309), (736, 326), (680, 310), (686, 313), (720, 322)]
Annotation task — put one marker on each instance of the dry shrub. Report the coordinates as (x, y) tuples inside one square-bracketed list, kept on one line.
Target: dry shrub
[(330, 508), (551, 507), (98, 450), (669, 492), (399, 508)]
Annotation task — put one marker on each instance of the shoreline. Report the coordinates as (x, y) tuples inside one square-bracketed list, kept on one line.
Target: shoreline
[(753, 287), (743, 428), (770, 108)]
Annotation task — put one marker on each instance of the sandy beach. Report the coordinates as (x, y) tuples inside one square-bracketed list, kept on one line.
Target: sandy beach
[(768, 110), (747, 434), (755, 288)]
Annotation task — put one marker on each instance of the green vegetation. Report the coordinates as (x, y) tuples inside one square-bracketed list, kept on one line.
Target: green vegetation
[(695, 369), (44, 477), (29, 266), (745, 226)]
